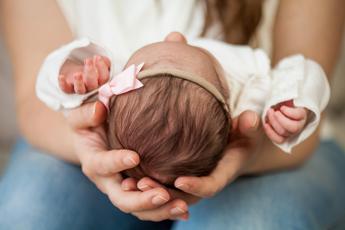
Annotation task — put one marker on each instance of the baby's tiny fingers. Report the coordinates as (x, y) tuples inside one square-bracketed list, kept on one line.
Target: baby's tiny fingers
[(294, 113), (64, 85), (292, 126), (102, 68), (106, 61), (90, 75), (79, 86), (272, 135), (275, 124)]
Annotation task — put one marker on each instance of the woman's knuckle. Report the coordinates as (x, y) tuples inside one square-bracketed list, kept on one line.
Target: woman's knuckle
[(86, 170), (209, 193), (119, 203), (139, 217), (125, 210)]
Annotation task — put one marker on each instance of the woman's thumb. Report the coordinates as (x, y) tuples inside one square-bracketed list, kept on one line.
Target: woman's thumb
[(87, 116), (248, 123)]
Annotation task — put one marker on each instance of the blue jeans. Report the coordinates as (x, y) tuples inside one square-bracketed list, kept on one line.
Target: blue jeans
[(38, 192)]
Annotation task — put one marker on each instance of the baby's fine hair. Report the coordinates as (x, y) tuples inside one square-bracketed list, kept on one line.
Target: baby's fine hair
[(177, 128)]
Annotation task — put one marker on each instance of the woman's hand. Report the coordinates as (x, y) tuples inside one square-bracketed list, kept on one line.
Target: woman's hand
[(239, 154), (181, 199), (103, 166)]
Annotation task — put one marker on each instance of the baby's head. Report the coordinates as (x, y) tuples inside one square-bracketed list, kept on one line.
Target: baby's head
[(178, 127)]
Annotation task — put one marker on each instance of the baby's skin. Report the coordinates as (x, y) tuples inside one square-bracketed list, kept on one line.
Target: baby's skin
[(282, 122)]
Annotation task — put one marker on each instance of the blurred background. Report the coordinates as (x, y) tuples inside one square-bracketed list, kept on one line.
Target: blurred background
[(333, 128)]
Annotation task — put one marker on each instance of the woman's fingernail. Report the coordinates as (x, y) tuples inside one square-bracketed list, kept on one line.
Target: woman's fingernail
[(143, 186), (159, 200), (182, 186), (255, 122), (129, 161), (176, 211), (94, 109), (183, 217), (125, 187)]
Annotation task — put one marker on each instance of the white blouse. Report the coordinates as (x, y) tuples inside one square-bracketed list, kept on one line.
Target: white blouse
[(123, 26), (252, 83)]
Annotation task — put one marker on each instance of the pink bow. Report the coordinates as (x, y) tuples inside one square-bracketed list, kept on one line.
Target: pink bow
[(122, 83)]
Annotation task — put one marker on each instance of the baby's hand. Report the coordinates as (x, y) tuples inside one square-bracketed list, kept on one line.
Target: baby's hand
[(83, 78), (284, 121)]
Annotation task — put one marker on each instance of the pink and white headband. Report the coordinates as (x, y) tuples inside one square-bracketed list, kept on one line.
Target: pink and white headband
[(129, 79)]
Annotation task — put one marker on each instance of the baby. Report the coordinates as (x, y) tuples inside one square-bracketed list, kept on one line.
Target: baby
[(174, 102)]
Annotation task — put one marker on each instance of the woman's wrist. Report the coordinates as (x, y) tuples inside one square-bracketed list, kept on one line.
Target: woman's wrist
[(45, 129)]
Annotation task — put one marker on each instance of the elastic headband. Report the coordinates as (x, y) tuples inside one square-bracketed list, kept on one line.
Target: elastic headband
[(128, 80), (151, 73)]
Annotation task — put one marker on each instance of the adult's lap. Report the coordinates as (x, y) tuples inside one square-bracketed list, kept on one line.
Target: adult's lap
[(311, 197), (38, 191)]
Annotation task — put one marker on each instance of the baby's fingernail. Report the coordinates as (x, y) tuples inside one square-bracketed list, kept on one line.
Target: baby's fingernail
[(159, 200), (176, 211), (129, 161)]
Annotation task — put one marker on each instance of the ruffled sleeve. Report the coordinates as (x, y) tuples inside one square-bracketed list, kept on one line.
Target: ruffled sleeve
[(303, 81), (47, 85)]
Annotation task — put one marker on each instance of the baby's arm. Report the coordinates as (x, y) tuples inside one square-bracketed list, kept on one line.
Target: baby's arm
[(299, 93), (80, 78), (284, 121)]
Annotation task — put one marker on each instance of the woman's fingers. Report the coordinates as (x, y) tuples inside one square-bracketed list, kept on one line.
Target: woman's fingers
[(102, 69), (176, 209), (129, 184), (147, 183), (275, 124), (208, 186), (79, 86), (272, 135), (247, 123), (228, 168), (90, 75), (134, 201), (87, 116), (64, 85), (292, 126), (200, 186), (110, 162)]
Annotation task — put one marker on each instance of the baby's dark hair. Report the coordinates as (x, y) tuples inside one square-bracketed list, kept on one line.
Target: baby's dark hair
[(177, 128)]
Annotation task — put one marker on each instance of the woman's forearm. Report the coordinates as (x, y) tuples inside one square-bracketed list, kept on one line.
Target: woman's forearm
[(45, 129), (32, 29), (313, 28), (272, 158)]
